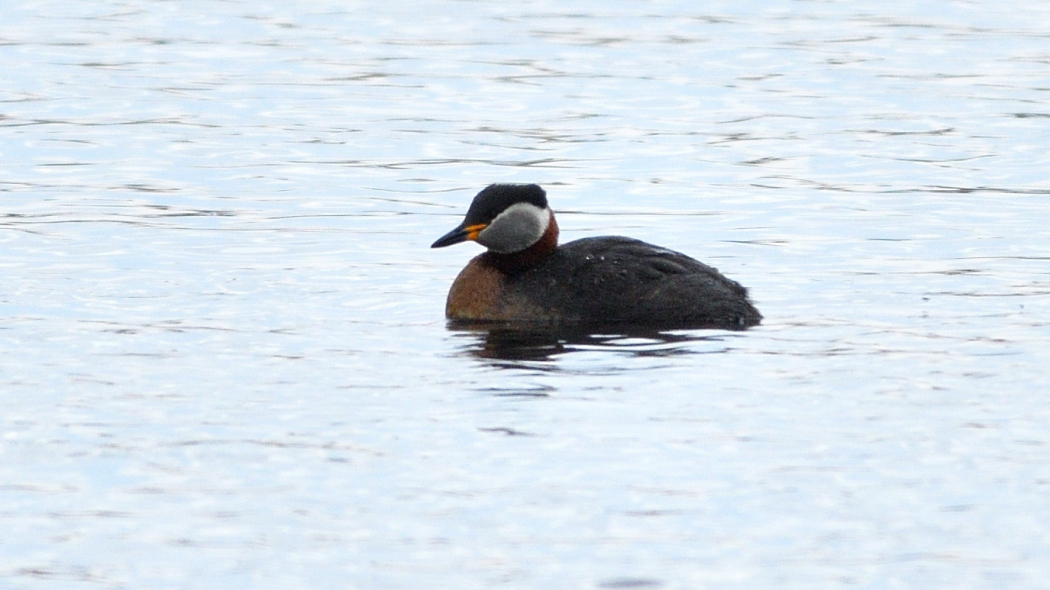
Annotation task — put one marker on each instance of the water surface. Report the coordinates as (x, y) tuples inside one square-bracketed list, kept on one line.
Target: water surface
[(223, 360)]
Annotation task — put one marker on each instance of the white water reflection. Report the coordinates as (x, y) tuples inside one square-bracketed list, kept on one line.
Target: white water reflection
[(222, 355)]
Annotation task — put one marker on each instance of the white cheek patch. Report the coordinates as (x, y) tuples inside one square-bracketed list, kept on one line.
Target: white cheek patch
[(518, 227)]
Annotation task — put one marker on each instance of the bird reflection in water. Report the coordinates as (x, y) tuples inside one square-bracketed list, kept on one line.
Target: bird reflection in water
[(510, 341)]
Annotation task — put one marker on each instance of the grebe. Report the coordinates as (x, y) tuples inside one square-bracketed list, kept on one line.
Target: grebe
[(525, 276)]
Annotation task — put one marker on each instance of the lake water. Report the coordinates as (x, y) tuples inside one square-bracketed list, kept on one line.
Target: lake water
[(223, 357)]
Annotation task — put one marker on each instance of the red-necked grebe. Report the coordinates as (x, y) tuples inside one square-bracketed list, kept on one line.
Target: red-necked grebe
[(525, 276)]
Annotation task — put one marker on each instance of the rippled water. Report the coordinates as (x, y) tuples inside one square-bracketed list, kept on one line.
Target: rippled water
[(223, 361)]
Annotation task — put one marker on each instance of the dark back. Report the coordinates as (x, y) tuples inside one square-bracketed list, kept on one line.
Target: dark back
[(616, 279)]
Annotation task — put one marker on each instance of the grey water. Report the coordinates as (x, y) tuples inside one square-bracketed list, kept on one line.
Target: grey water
[(223, 357)]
